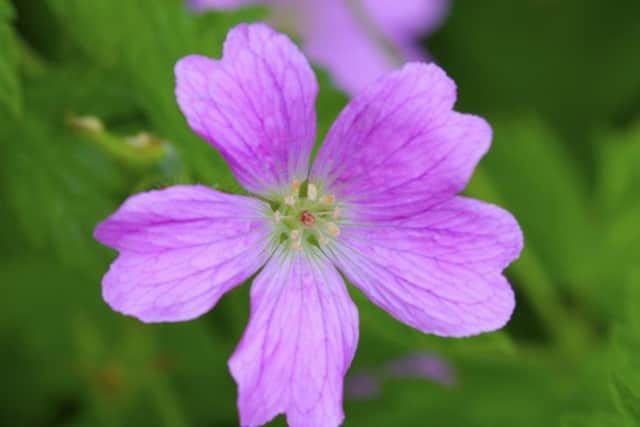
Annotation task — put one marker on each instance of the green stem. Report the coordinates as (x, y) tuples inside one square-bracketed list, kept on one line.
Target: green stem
[(139, 152), (165, 401), (32, 63)]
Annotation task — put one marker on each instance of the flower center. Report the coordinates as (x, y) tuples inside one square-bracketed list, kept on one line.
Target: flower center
[(307, 218), (306, 215)]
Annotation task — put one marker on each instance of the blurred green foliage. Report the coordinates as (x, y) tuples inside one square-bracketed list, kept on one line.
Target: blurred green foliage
[(558, 80), (10, 97)]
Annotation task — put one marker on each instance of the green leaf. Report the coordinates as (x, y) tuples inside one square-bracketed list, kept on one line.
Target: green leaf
[(539, 184), (627, 397), (56, 184), (618, 201), (498, 392), (625, 365), (572, 61), (596, 419), (618, 171), (62, 345), (143, 39), (10, 92)]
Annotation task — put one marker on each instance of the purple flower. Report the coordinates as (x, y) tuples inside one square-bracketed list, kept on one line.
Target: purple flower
[(367, 384), (379, 204), (363, 385), (422, 365), (357, 41)]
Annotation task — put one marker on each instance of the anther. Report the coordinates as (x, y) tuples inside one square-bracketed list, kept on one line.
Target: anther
[(290, 200), (333, 229), (336, 212), (307, 218), (328, 199), (312, 192), (296, 245), (323, 240), (276, 217), (295, 187), (295, 235)]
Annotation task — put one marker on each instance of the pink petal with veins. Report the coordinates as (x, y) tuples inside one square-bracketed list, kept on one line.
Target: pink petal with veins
[(298, 345), (256, 106), (181, 249)]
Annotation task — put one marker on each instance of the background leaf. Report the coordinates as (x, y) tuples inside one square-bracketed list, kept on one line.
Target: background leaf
[(10, 94)]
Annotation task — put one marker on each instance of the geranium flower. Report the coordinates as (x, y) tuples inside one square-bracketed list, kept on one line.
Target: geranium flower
[(422, 365), (367, 384), (379, 205), (357, 41)]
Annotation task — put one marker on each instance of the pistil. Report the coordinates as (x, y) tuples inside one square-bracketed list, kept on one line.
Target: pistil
[(307, 218)]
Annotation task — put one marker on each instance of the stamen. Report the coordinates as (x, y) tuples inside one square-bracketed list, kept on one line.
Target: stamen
[(307, 218), (295, 187), (328, 199), (312, 192), (333, 229)]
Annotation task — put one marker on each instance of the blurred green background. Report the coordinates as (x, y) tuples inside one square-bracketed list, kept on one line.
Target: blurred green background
[(559, 80)]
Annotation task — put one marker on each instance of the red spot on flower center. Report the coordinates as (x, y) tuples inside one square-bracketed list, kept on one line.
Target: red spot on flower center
[(307, 218)]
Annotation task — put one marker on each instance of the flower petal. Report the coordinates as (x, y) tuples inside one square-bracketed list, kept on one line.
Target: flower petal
[(299, 343), (256, 105), (181, 249), (222, 4), (336, 39), (404, 22), (400, 142), (439, 271), (425, 365)]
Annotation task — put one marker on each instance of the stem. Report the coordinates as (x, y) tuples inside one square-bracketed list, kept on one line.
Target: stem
[(165, 400), (31, 62)]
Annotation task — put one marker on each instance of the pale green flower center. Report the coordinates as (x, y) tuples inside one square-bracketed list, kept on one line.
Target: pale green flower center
[(305, 216)]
